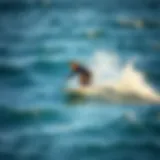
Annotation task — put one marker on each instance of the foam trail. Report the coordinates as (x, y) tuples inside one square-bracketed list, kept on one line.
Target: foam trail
[(116, 81)]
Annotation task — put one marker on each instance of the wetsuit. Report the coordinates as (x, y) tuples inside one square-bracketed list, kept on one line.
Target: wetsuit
[(85, 75)]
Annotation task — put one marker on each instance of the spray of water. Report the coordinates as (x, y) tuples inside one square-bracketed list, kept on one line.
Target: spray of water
[(114, 80)]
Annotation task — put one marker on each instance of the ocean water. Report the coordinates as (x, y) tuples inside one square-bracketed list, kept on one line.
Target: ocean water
[(118, 40)]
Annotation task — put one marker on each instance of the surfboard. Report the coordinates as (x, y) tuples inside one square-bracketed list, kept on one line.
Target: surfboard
[(86, 91)]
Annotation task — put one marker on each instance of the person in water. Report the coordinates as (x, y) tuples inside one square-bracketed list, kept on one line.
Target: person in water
[(85, 75)]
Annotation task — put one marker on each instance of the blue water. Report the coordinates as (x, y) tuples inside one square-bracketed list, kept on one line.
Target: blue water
[(37, 40)]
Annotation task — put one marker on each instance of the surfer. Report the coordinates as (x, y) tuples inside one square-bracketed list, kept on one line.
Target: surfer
[(85, 75)]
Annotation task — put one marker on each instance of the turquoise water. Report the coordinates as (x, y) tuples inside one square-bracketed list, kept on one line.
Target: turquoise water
[(38, 119)]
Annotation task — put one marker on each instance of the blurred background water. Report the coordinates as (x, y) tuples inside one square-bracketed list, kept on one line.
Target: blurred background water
[(37, 40)]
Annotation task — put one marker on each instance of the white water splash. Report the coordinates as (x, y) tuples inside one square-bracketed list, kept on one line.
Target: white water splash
[(115, 81)]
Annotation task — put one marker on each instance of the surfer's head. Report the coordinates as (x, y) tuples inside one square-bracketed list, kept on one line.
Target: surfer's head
[(74, 65)]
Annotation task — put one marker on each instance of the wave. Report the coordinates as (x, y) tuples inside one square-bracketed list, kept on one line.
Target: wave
[(116, 81), (137, 23), (9, 5), (17, 116), (21, 65)]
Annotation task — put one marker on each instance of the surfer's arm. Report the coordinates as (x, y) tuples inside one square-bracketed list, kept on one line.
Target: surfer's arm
[(71, 75)]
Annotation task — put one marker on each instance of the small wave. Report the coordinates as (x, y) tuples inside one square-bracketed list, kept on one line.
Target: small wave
[(17, 116), (19, 68), (94, 33), (17, 62), (137, 23), (8, 5), (131, 23)]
